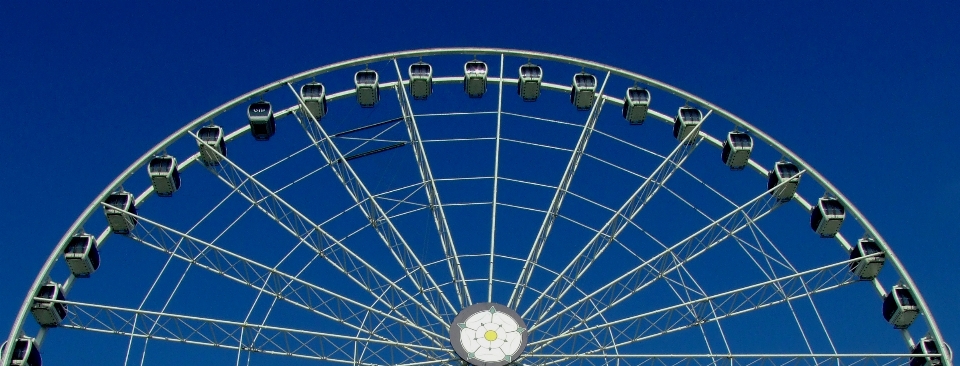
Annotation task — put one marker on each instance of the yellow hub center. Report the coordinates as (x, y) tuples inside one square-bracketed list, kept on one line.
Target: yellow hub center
[(490, 335)]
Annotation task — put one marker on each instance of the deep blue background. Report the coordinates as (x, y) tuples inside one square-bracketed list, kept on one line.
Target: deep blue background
[(865, 92)]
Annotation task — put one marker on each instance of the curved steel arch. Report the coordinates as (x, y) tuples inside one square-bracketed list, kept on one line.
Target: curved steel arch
[(786, 152)]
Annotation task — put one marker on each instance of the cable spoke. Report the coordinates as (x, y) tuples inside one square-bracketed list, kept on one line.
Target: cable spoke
[(615, 225), (289, 288), (710, 359), (224, 334), (436, 207), (731, 303), (496, 181), (537, 249), (332, 250), (398, 247), (671, 259)]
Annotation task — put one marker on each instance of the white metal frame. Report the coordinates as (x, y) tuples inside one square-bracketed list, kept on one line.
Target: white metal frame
[(436, 304)]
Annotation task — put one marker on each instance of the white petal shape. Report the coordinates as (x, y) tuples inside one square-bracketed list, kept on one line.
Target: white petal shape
[(489, 355)]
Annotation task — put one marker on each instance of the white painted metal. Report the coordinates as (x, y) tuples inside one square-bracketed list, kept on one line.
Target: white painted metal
[(379, 220), (750, 298), (496, 181), (870, 231), (436, 207), (613, 227), (537, 249), (317, 299), (219, 333), (667, 261), (332, 250)]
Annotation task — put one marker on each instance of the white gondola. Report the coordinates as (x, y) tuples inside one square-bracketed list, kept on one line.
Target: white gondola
[(635, 105), (262, 124), (82, 255), (421, 80), (783, 172), (314, 96), (899, 307), (212, 137), (475, 78), (25, 353), (122, 203), (164, 175), (528, 86), (49, 314), (926, 346), (867, 268), (368, 88), (583, 90), (686, 123), (736, 150), (827, 217)]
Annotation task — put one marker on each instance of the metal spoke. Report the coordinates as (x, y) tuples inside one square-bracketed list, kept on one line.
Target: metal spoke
[(544, 232), (732, 359), (260, 277), (224, 334), (436, 207), (496, 181), (367, 203), (615, 225), (182, 276), (731, 303), (756, 229), (402, 319), (669, 260), (332, 250)]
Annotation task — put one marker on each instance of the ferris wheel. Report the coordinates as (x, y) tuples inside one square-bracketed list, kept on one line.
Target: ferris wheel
[(476, 206)]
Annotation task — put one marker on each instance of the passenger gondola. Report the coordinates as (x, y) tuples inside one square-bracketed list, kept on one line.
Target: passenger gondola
[(262, 124), (736, 150), (368, 88), (49, 314), (118, 206), (635, 105), (82, 255), (25, 352), (164, 175), (583, 90), (867, 268), (475, 78), (827, 217), (528, 86), (421, 80), (314, 97), (926, 346), (686, 122), (899, 307), (783, 172), (211, 137)]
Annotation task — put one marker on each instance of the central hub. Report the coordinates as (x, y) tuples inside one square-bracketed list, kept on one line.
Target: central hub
[(488, 334)]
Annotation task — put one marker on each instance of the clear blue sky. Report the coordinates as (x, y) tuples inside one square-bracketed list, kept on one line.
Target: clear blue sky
[(863, 91)]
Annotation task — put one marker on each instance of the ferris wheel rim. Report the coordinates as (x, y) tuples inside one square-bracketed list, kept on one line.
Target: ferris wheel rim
[(208, 116)]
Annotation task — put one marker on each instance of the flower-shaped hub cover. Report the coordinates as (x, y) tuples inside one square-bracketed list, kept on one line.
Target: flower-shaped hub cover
[(488, 334)]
